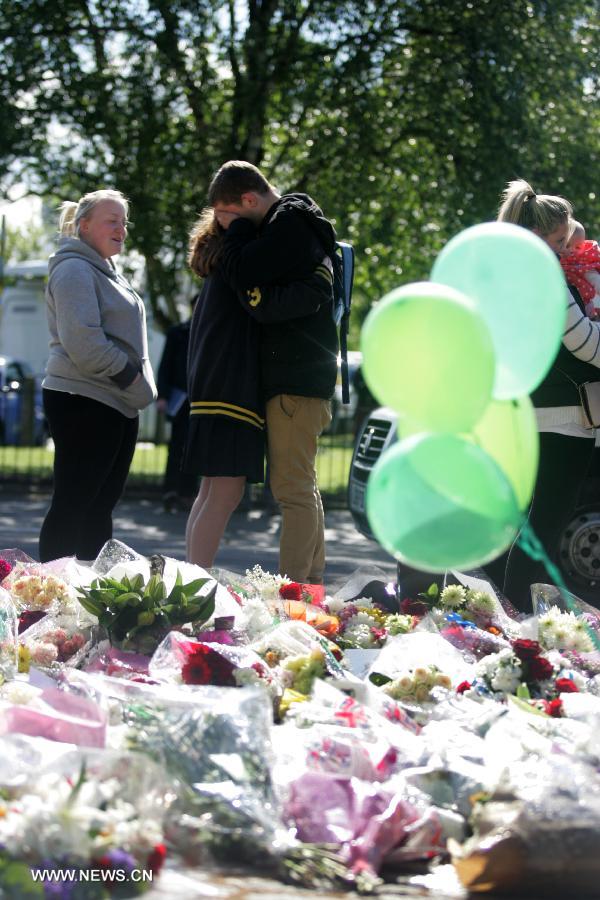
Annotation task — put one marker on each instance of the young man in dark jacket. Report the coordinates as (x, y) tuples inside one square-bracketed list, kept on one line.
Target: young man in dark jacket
[(274, 239)]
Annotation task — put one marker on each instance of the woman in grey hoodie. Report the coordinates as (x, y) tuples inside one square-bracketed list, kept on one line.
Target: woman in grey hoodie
[(98, 375)]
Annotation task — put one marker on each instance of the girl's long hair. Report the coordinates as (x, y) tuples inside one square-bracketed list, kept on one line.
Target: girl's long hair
[(206, 239)]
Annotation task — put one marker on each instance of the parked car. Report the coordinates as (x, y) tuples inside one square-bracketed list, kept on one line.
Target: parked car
[(22, 420), (579, 546)]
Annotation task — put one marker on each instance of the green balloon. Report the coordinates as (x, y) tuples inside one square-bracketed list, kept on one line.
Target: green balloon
[(428, 355), (520, 291), (508, 432), (438, 501)]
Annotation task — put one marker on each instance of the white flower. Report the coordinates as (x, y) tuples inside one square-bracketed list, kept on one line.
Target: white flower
[(333, 605), (563, 631), (362, 618), (264, 584), (360, 635), (480, 602), (21, 693), (254, 618), (453, 596)]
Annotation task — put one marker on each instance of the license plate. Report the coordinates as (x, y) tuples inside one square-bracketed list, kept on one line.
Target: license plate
[(357, 497)]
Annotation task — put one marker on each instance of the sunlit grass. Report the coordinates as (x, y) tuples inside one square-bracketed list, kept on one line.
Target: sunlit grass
[(34, 464)]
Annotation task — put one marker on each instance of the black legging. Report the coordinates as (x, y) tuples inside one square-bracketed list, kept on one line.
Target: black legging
[(93, 449), (564, 463)]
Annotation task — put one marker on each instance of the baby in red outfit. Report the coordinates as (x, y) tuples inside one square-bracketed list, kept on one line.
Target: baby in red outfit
[(581, 265)]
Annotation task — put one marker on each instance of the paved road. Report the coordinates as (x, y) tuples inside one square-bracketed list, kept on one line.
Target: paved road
[(251, 537)]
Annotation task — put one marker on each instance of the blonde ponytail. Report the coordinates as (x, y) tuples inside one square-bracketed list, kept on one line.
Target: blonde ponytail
[(71, 213), (543, 213), (66, 222)]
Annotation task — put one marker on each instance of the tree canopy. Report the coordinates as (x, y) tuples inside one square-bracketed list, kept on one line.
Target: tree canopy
[(403, 118)]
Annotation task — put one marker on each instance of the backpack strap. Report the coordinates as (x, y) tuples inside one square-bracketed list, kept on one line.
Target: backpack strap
[(347, 253)]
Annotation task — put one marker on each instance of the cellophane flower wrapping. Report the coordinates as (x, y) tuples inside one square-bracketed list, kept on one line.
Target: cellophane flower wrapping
[(532, 839), (418, 649), (366, 820), (9, 656), (72, 807), (217, 743), (183, 661), (57, 715), (59, 639)]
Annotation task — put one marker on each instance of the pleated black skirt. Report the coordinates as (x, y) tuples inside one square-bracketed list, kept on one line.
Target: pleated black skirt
[(219, 446)]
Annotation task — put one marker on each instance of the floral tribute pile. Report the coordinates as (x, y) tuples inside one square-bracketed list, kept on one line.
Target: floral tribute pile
[(157, 716)]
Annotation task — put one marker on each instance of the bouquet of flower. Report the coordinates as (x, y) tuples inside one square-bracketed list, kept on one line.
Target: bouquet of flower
[(564, 631), (34, 589), (106, 816), (520, 669), (366, 626), (46, 643), (8, 637), (414, 685), (137, 614)]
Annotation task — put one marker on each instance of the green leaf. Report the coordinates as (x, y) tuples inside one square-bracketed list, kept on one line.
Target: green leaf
[(95, 609), (192, 587), (378, 678)]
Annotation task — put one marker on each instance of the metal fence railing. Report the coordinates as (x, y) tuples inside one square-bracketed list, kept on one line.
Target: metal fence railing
[(25, 466)]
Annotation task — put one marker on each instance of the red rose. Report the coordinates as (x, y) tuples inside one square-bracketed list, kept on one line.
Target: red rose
[(410, 607), (463, 686), (554, 708), (539, 668), (156, 858), (291, 591), (566, 686), (526, 650), (205, 666)]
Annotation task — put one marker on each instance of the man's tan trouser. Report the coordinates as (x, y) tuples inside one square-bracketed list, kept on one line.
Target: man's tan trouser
[(293, 425)]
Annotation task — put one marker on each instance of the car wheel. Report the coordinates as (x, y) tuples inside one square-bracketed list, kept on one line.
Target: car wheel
[(579, 549)]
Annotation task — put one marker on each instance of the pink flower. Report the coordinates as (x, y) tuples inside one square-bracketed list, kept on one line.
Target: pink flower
[(5, 569), (43, 654)]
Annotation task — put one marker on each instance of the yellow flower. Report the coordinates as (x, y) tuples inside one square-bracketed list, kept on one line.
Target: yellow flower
[(24, 658), (422, 692)]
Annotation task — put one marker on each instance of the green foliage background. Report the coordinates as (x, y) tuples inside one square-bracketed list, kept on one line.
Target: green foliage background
[(403, 118)]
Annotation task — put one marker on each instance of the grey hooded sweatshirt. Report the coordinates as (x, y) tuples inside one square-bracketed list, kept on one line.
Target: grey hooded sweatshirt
[(98, 339)]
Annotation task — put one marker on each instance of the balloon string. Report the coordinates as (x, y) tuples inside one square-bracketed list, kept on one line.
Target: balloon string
[(529, 542)]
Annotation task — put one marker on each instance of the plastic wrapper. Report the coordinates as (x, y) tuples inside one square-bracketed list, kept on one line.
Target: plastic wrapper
[(57, 716), (290, 638), (49, 588), (538, 834), (522, 733), (179, 659), (75, 807), (474, 643), (53, 640), (333, 749), (365, 820), (330, 706), (8, 637), (410, 651), (115, 663)]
